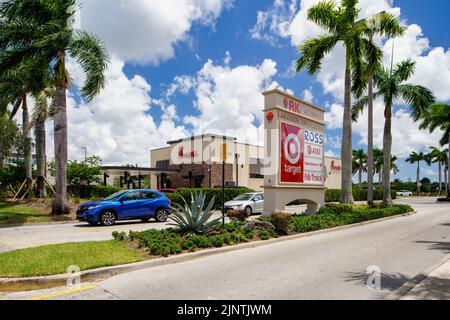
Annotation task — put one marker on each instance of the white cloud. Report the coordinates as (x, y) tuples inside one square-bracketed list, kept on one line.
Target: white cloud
[(117, 125), (230, 98), (143, 31), (308, 95)]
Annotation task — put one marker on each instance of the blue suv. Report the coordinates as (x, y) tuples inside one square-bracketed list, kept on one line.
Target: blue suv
[(126, 205)]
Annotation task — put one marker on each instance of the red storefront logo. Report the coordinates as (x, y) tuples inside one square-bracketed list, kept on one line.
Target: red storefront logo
[(292, 155), (335, 167), (182, 154)]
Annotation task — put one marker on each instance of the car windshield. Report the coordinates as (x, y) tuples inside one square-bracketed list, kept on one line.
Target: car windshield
[(245, 196), (116, 195)]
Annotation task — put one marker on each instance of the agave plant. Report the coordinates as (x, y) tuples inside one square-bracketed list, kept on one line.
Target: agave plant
[(194, 218)]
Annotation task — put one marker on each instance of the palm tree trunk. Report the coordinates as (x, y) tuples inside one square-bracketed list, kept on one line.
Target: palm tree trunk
[(41, 159), (27, 152), (445, 180), (448, 171), (346, 149), (380, 176), (387, 146), (440, 178), (370, 145), (360, 177), (60, 205), (418, 178)]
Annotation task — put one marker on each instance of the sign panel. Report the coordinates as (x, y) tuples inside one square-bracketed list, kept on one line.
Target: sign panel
[(292, 154)]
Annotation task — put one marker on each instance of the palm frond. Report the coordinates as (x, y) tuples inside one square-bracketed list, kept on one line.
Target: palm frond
[(418, 98), (93, 58), (312, 52), (325, 15)]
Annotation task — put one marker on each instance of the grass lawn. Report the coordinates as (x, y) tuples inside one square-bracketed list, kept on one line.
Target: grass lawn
[(19, 213), (56, 258)]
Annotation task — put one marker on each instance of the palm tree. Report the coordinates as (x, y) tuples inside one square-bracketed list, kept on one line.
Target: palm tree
[(439, 118), (415, 157), (438, 156), (15, 86), (40, 115), (340, 22), (359, 164), (391, 86), (393, 30), (45, 29)]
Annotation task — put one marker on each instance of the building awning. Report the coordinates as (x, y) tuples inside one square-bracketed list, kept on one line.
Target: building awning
[(139, 169)]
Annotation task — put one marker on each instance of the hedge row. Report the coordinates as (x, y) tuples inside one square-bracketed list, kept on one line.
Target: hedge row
[(230, 194), (334, 215), (334, 195), (92, 192)]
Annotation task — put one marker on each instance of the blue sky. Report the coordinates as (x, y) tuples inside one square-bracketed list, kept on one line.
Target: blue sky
[(185, 66)]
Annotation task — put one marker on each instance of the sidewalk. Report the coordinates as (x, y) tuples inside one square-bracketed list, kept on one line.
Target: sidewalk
[(431, 284)]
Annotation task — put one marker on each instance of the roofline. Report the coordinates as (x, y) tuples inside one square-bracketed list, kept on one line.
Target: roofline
[(293, 97), (138, 169), (206, 135)]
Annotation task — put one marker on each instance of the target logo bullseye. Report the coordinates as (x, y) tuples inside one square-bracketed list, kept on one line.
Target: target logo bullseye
[(292, 148)]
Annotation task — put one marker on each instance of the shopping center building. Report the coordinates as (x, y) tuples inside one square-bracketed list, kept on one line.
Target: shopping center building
[(197, 162)]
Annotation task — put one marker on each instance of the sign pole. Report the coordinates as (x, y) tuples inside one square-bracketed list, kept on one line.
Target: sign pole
[(224, 158)]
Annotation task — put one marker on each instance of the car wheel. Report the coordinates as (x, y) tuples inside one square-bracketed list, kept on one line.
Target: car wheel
[(107, 218), (248, 211), (161, 215), (145, 219)]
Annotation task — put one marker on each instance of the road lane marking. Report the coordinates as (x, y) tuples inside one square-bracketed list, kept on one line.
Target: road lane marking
[(65, 292)]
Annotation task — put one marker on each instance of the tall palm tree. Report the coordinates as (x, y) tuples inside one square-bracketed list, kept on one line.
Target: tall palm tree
[(342, 27), (359, 164), (15, 86), (394, 30), (440, 157), (415, 157), (391, 87), (40, 115), (439, 118), (45, 29)]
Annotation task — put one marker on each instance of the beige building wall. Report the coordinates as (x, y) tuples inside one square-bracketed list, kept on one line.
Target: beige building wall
[(202, 150)]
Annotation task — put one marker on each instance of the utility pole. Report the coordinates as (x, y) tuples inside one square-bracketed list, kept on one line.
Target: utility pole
[(85, 154)]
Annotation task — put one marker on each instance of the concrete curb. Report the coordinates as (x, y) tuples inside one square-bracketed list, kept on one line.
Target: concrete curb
[(409, 285), (27, 224), (43, 282)]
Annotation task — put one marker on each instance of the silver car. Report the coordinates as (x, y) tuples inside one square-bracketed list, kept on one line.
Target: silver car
[(250, 202)]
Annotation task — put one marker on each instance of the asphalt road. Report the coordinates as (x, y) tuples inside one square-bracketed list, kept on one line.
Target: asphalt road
[(325, 266), (36, 235)]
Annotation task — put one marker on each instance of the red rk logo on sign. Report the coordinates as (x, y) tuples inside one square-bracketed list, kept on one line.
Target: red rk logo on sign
[(292, 105), (292, 156)]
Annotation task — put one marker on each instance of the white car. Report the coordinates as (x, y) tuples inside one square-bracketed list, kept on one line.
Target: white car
[(250, 202), (404, 193)]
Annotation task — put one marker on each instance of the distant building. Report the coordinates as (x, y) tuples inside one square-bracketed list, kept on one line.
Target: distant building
[(196, 162)]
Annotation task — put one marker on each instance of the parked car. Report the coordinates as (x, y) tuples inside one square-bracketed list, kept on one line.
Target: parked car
[(250, 202), (126, 205), (404, 193)]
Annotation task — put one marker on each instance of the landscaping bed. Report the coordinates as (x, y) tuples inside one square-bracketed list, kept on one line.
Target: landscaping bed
[(444, 199), (26, 212), (171, 241)]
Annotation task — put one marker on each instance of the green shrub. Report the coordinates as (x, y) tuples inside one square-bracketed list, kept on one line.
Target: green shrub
[(92, 191), (334, 195), (264, 235), (281, 221), (338, 208), (119, 235), (237, 215), (335, 215), (444, 199)]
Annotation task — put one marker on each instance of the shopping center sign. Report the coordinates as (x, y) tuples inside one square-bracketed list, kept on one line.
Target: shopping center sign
[(294, 143)]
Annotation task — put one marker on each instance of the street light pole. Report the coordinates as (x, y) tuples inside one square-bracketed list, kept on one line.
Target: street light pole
[(85, 154)]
